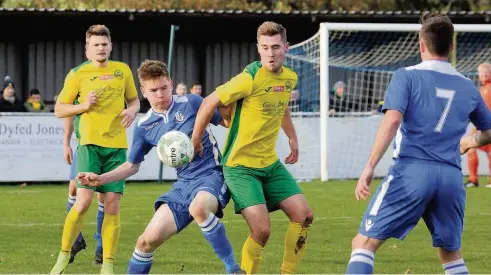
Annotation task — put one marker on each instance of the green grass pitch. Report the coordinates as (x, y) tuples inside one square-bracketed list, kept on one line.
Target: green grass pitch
[(31, 221)]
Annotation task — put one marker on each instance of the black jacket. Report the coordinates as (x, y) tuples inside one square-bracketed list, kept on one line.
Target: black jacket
[(7, 106)]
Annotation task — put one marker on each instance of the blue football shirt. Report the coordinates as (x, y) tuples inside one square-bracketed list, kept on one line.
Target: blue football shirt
[(180, 116), (437, 103)]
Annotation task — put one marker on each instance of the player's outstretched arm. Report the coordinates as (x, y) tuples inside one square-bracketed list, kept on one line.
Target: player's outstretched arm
[(289, 129), (481, 118), (237, 88), (123, 172), (203, 118), (479, 139)]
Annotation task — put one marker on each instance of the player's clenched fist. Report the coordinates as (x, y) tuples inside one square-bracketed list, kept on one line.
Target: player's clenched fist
[(91, 99), (89, 179)]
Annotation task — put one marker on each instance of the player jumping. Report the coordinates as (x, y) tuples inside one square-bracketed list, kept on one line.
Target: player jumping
[(434, 103), (71, 159), (258, 181), (484, 71), (98, 91), (199, 193)]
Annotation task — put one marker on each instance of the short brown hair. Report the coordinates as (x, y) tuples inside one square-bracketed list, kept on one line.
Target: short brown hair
[(97, 30), (270, 29), (152, 69), (437, 32)]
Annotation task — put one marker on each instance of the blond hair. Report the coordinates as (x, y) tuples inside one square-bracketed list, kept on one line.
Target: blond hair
[(271, 29), (152, 69), (97, 30)]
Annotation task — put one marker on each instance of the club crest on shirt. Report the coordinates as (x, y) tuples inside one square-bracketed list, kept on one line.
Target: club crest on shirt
[(289, 86), (118, 74), (179, 116)]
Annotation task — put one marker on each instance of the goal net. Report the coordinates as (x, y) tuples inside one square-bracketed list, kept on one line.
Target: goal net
[(343, 73)]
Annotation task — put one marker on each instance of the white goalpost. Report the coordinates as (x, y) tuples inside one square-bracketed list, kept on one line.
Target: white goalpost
[(343, 72)]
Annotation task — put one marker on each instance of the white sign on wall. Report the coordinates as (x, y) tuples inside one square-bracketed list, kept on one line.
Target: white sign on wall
[(31, 149)]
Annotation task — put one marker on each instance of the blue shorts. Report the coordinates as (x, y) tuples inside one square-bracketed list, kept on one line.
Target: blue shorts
[(413, 190), (182, 193), (73, 167)]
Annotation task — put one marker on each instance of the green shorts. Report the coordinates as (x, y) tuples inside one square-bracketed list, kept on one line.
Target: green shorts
[(252, 186), (99, 160)]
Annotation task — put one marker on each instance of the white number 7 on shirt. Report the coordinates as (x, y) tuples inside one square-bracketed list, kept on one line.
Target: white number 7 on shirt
[(445, 94)]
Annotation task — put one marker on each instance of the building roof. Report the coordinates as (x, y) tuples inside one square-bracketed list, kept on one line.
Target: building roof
[(240, 12), (314, 16)]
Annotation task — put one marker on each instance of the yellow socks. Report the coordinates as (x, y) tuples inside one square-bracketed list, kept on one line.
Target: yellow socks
[(73, 226), (111, 228), (295, 245), (251, 256)]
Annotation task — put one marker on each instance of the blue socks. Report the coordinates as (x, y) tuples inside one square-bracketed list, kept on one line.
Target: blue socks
[(140, 262), (214, 232), (455, 267), (361, 262), (97, 235), (71, 202)]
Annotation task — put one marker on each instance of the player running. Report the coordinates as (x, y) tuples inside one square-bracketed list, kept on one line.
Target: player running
[(484, 71), (199, 193), (100, 89), (258, 181), (434, 103), (71, 159)]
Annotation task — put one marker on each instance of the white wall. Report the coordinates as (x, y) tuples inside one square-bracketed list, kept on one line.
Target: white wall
[(31, 149)]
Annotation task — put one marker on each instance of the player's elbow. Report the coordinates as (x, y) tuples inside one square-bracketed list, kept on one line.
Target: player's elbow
[(393, 119), (212, 101), (486, 137), (395, 123), (59, 111), (133, 167)]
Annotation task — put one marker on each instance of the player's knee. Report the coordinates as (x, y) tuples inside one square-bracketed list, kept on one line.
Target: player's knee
[(364, 242), (303, 215), (82, 205), (147, 243), (261, 233), (198, 210), (309, 219), (111, 203)]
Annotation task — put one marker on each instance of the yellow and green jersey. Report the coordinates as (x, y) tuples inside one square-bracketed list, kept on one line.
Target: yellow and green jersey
[(114, 85), (259, 100)]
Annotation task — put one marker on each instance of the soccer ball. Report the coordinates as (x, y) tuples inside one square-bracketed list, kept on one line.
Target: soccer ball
[(175, 149)]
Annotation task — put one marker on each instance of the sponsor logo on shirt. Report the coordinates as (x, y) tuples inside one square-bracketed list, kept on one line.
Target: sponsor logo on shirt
[(278, 88), (107, 77)]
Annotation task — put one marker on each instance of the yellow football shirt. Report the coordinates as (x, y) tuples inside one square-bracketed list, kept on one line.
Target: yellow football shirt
[(113, 84), (259, 99)]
